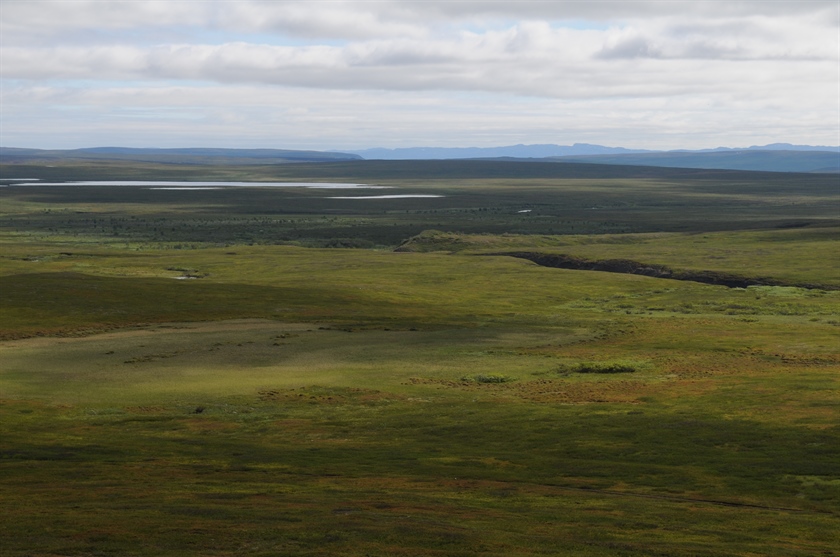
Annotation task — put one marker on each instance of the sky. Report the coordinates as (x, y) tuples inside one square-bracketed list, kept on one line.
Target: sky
[(336, 74)]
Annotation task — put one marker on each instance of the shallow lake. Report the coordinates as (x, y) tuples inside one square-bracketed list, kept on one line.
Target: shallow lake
[(404, 196), (203, 185)]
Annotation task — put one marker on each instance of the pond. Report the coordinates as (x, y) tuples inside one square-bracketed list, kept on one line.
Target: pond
[(403, 196), (198, 185)]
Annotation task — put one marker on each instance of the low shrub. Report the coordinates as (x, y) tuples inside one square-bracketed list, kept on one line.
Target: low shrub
[(604, 368), (487, 378)]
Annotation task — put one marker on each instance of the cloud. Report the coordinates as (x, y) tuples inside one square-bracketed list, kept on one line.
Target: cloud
[(45, 20), (527, 52), (478, 72), (91, 20), (254, 116), (751, 38), (529, 58), (378, 40)]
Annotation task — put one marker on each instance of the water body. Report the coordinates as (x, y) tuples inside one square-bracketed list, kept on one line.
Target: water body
[(205, 185), (405, 196)]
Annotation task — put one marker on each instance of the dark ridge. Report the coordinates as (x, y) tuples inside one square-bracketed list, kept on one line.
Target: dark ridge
[(626, 266), (771, 160), (517, 168)]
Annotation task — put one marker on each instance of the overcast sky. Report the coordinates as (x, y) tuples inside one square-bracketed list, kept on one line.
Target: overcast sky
[(386, 73)]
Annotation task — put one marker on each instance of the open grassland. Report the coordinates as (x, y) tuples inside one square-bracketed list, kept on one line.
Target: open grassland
[(477, 197), (798, 255), (230, 396)]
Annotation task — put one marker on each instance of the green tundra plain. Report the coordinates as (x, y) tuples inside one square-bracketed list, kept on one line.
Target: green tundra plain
[(270, 371)]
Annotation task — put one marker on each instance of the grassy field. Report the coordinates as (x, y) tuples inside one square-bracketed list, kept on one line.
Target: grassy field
[(182, 375), (477, 198), (797, 255)]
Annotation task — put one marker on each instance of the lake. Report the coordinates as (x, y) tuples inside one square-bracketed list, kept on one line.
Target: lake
[(198, 185), (403, 196)]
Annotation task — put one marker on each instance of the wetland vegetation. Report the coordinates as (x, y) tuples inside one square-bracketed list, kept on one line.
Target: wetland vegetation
[(379, 378)]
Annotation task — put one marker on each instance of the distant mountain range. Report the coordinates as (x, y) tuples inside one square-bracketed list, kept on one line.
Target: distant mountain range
[(777, 157), (174, 156), (517, 151), (550, 150)]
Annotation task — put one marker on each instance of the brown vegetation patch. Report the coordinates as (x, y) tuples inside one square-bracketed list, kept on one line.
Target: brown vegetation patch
[(146, 409), (554, 390), (807, 360), (693, 366), (437, 381), (60, 332), (203, 425), (290, 424), (564, 392), (322, 395), (150, 358)]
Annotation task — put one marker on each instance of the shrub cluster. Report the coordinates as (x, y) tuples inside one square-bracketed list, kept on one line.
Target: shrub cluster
[(487, 378), (604, 368)]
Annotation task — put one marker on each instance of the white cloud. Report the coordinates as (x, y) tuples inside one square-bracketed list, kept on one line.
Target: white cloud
[(149, 115), (527, 59), (39, 20), (476, 72)]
